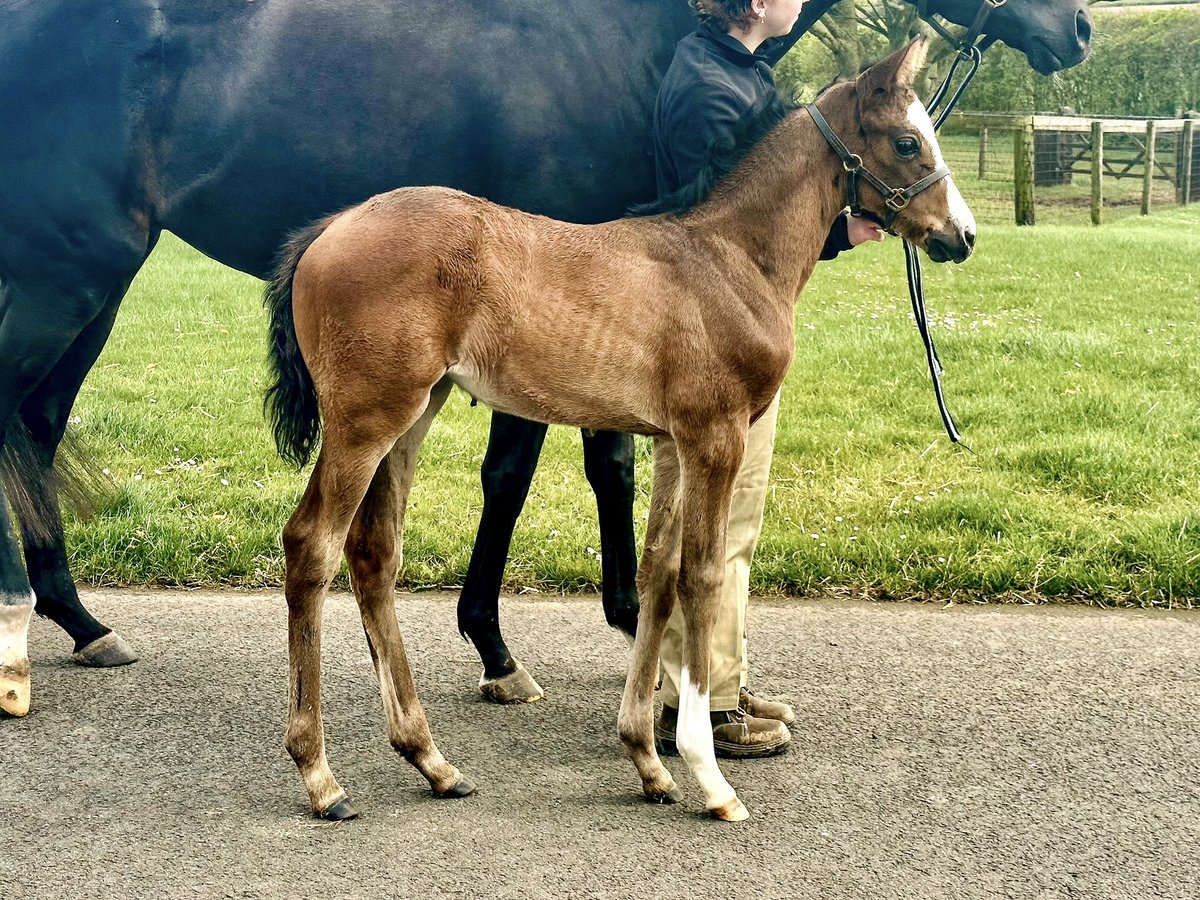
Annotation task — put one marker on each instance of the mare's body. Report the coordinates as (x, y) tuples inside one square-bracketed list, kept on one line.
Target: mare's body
[(232, 124)]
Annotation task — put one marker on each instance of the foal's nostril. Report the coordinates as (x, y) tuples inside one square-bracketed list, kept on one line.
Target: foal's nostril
[(938, 249), (969, 237)]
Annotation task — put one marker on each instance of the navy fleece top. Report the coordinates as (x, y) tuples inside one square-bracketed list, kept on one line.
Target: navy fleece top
[(713, 82)]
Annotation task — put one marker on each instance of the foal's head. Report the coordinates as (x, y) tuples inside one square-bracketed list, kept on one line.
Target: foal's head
[(896, 142)]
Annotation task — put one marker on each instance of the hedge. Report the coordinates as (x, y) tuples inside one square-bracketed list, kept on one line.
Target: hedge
[(1142, 64)]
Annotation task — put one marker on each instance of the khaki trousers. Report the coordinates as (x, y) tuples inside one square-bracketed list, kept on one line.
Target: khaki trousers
[(727, 667)]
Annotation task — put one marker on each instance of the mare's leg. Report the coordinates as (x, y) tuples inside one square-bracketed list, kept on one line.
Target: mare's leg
[(16, 607), (656, 581), (312, 541), (44, 307), (512, 453), (608, 463), (709, 465), (46, 412), (375, 551)]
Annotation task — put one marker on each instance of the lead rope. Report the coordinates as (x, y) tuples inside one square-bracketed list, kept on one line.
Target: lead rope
[(968, 49)]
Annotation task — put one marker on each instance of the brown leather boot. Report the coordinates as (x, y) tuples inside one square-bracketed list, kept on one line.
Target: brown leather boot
[(735, 734), (765, 707)]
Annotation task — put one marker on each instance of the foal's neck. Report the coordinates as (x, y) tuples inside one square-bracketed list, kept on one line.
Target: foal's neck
[(777, 206)]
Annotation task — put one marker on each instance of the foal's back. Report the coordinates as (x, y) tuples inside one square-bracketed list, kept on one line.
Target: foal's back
[(573, 324)]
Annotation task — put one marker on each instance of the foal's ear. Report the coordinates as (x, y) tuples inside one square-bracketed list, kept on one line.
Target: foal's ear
[(897, 71)]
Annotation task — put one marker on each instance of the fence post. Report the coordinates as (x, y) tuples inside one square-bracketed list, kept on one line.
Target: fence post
[(983, 152), (1148, 175), (1097, 170), (1023, 200), (1189, 128)]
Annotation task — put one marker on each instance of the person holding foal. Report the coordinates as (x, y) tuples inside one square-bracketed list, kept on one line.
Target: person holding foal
[(720, 75)]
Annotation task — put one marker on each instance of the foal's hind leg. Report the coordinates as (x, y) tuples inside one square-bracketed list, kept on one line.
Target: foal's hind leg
[(656, 581), (374, 549), (312, 540)]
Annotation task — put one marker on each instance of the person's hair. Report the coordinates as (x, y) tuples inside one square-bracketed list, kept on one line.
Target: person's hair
[(726, 12)]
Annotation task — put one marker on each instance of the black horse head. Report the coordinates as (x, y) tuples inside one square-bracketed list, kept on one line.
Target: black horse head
[(1053, 34)]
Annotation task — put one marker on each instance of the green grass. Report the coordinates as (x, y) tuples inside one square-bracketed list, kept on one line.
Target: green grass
[(1072, 356)]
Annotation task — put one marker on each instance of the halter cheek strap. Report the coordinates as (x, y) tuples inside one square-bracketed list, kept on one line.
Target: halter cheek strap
[(962, 45), (896, 199)]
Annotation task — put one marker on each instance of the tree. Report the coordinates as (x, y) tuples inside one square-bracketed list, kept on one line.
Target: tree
[(858, 31)]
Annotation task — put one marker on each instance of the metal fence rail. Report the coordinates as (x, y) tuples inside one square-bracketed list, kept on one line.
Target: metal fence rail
[(1054, 168)]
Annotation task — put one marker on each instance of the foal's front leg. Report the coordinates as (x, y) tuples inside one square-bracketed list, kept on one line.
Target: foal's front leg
[(709, 468), (656, 580)]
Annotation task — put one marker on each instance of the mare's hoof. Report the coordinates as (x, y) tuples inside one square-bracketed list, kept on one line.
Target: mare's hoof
[(515, 687), (668, 797), (14, 691), (733, 811), (464, 788), (106, 652), (341, 811)]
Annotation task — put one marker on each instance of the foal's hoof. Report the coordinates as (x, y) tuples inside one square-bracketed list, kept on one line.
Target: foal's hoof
[(733, 811), (340, 811), (464, 788), (14, 691), (106, 652), (667, 798), (515, 687)]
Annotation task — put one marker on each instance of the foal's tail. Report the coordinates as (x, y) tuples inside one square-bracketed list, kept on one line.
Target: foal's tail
[(291, 400)]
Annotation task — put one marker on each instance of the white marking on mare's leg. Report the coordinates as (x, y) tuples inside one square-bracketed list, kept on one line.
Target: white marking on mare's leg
[(15, 613), (960, 213), (693, 737)]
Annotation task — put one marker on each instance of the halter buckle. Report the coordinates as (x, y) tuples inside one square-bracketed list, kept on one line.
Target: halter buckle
[(852, 163), (897, 201)]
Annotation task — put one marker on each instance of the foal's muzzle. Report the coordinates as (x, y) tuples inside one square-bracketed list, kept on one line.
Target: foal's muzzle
[(952, 244)]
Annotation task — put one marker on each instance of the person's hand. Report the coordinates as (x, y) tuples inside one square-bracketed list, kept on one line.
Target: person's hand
[(860, 230)]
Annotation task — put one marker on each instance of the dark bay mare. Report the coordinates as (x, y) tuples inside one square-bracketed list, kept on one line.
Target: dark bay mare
[(233, 123), (678, 325)]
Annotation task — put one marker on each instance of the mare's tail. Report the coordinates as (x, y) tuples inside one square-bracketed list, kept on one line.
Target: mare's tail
[(35, 489), (291, 400)]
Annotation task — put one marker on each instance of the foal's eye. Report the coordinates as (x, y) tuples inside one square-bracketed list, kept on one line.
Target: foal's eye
[(907, 146)]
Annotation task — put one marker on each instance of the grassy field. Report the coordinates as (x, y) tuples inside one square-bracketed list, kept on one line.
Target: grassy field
[(1073, 358)]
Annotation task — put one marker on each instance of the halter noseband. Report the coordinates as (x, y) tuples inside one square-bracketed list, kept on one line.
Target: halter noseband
[(895, 198)]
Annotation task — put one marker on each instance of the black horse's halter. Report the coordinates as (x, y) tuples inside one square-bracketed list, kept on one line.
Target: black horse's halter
[(896, 199), (962, 44), (969, 47)]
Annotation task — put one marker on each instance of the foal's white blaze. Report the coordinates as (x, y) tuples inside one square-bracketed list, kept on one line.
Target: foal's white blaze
[(960, 213), (15, 613), (694, 738)]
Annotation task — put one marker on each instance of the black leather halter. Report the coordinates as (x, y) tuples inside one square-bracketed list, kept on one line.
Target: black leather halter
[(962, 45), (896, 199)]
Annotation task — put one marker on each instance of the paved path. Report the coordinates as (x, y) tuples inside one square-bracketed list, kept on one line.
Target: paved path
[(960, 753)]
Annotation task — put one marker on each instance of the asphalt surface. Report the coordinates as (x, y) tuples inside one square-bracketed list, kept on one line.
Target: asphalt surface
[(958, 753)]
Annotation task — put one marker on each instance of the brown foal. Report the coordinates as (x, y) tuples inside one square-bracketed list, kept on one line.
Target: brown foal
[(678, 326)]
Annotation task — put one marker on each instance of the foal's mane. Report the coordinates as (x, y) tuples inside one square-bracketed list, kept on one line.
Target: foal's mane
[(724, 158)]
